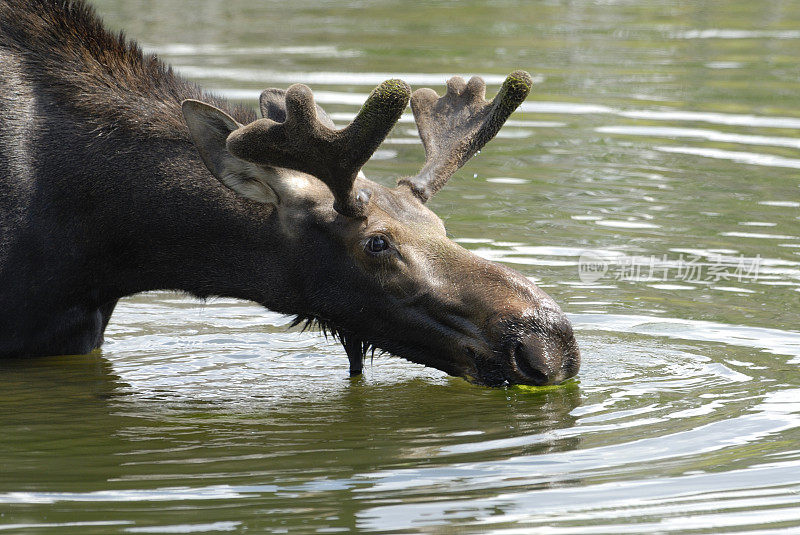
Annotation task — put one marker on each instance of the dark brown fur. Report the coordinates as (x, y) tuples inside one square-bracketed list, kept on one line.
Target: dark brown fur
[(99, 75)]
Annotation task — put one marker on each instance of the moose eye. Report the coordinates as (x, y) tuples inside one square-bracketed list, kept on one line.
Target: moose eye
[(377, 244)]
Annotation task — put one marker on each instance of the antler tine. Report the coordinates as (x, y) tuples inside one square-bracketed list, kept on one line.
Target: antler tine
[(304, 143), (272, 103), (454, 127)]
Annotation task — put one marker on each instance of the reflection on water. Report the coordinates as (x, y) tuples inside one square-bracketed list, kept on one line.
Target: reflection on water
[(650, 185)]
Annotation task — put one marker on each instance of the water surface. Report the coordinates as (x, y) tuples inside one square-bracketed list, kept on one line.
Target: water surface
[(649, 184)]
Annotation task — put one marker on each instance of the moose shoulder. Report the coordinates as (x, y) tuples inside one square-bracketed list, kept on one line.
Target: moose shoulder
[(117, 177)]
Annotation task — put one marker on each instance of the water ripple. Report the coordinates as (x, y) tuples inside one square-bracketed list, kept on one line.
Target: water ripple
[(771, 340), (710, 135), (751, 158)]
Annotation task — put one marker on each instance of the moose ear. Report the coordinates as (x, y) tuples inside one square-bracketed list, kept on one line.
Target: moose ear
[(209, 128)]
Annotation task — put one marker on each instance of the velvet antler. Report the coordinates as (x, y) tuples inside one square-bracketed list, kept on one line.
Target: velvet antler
[(304, 143), (454, 127)]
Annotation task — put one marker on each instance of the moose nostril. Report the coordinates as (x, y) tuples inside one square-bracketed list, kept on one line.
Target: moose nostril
[(530, 359)]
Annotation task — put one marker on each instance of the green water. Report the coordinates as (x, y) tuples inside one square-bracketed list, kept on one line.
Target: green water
[(661, 145)]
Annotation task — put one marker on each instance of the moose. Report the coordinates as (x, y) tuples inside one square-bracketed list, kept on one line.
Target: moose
[(117, 176)]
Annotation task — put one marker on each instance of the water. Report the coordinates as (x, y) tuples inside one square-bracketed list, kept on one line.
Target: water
[(650, 185)]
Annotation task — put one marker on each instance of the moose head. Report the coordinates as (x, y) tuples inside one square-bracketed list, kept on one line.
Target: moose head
[(373, 265)]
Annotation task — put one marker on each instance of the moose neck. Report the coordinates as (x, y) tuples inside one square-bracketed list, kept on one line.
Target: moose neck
[(167, 223)]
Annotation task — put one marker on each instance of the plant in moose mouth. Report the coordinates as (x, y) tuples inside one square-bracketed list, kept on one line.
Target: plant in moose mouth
[(399, 284)]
